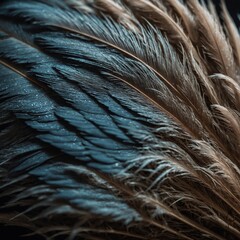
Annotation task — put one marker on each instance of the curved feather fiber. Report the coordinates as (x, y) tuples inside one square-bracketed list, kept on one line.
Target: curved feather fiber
[(119, 120), (215, 46), (233, 36), (117, 12), (185, 16)]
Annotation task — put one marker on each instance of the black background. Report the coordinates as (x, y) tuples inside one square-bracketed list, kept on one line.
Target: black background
[(233, 7)]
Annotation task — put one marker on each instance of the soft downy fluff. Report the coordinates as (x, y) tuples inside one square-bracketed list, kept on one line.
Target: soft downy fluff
[(119, 119)]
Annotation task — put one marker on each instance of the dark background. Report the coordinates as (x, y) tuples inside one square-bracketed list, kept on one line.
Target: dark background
[(13, 232), (233, 7)]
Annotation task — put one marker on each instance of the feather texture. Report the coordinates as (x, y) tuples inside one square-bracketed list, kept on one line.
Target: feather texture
[(120, 119)]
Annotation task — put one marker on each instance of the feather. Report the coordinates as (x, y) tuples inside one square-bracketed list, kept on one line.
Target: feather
[(117, 12), (155, 14), (120, 120), (81, 5), (185, 16), (214, 45), (233, 34)]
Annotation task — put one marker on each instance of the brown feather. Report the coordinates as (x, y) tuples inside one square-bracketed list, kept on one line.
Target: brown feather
[(119, 119), (212, 42)]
